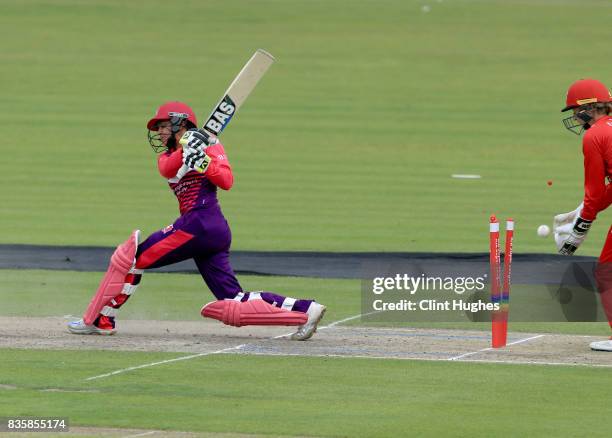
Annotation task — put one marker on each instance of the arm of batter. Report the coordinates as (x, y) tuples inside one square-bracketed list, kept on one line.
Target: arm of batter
[(219, 171)]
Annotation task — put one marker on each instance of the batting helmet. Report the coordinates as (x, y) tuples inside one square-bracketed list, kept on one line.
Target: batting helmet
[(586, 91), (180, 116), (172, 109)]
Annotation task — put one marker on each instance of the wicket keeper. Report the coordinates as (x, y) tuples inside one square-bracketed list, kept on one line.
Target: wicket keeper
[(591, 105), (195, 165)]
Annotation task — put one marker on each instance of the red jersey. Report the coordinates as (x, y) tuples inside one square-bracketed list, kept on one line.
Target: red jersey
[(597, 150), (194, 189)]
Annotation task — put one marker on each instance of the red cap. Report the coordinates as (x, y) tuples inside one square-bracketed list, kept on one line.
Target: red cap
[(170, 109), (586, 91)]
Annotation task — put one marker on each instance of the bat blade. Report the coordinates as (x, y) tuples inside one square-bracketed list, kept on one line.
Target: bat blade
[(238, 91)]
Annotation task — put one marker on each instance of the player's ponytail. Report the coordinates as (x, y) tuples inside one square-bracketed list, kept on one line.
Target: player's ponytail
[(604, 108)]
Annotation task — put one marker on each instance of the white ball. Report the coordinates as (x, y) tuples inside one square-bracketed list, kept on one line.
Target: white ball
[(426, 8), (543, 230)]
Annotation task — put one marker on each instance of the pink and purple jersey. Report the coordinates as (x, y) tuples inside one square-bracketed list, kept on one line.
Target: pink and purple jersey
[(197, 190)]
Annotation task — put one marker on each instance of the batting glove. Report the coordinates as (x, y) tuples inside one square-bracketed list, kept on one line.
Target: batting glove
[(196, 159), (197, 139)]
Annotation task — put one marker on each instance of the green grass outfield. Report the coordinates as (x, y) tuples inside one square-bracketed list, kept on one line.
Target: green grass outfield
[(347, 144), (308, 396), (281, 396)]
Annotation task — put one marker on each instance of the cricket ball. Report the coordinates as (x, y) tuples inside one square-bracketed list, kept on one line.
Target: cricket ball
[(543, 230)]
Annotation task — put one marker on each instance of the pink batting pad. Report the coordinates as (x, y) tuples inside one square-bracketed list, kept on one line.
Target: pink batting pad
[(254, 312), (122, 261)]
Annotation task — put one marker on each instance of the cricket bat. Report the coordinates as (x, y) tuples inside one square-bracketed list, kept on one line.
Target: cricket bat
[(238, 91)]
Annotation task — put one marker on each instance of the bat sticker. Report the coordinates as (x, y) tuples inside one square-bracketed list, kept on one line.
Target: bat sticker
[(221, 115)]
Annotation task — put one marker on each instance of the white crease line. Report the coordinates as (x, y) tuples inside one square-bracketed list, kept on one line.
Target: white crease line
[(152, 364), (471, 353), (432, 359), (333, 324), (520, 341), (461, 356), (141, 434), (350, 318), (193, 356)]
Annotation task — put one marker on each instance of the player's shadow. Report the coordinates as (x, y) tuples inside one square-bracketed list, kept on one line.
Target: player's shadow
[(573, 299), (577, 292)]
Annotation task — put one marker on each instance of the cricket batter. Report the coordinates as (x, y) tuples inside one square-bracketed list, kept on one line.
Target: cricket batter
[(195, 165), (591, 104)]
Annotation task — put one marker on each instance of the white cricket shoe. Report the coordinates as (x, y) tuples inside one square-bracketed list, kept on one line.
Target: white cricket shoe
[(80, 328), (315, 313), (602, 345)]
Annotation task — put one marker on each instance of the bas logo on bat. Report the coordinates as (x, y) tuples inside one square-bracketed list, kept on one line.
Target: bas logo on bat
[(238, 91), (221, 115)]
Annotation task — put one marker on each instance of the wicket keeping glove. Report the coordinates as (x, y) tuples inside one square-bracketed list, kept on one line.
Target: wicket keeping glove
[(563, 224), (570, 230)]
